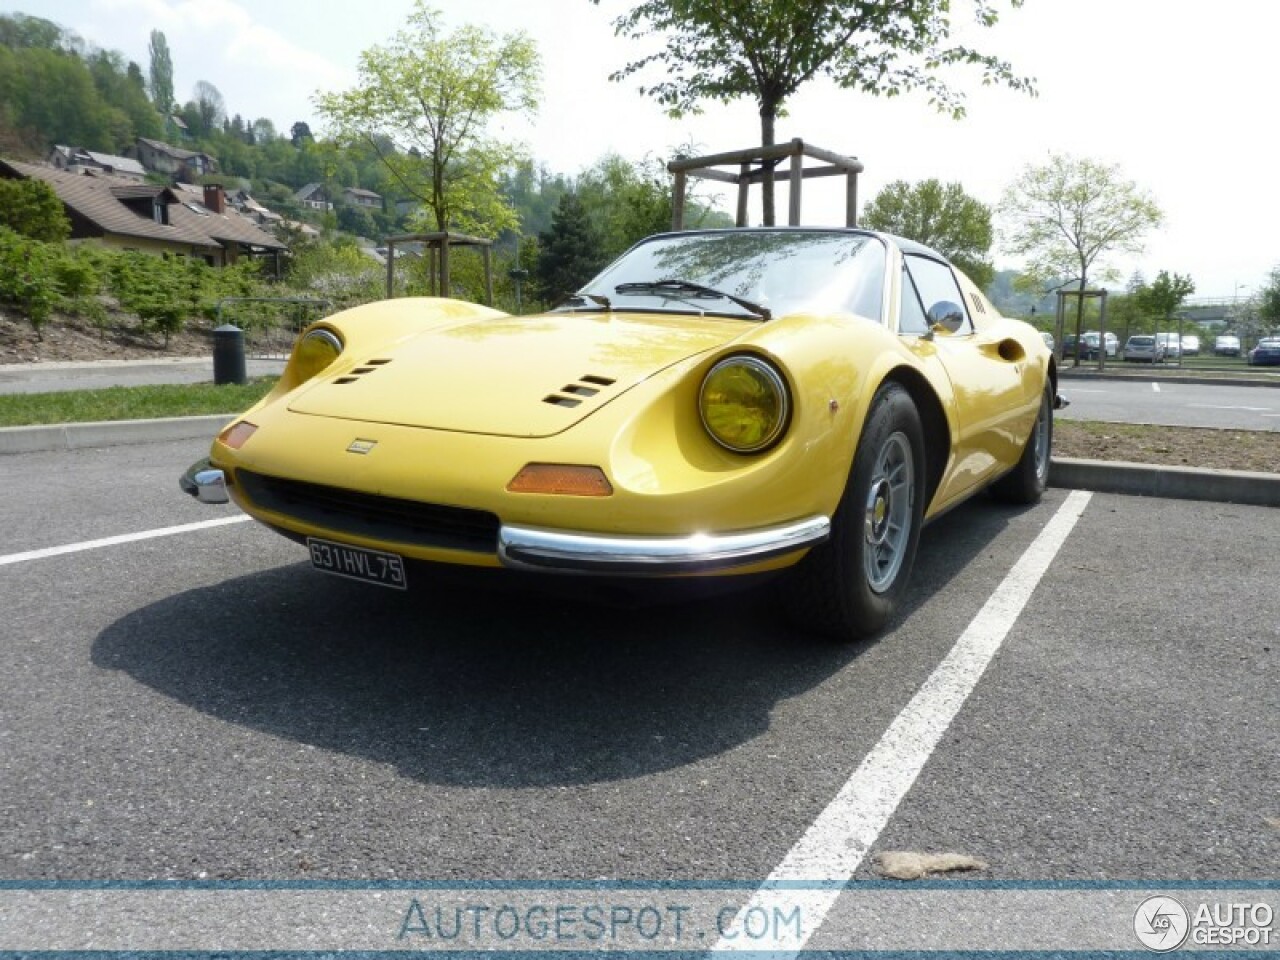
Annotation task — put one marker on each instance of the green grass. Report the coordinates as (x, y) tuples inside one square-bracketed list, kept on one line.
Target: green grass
[(129, 403)]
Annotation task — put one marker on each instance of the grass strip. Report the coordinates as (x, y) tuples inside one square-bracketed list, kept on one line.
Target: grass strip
[(129, 403)]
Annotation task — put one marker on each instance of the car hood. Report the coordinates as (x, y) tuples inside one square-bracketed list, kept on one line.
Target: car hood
[(511, 376)]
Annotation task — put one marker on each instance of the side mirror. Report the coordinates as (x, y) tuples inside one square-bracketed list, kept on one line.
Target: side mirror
[(948, 315)]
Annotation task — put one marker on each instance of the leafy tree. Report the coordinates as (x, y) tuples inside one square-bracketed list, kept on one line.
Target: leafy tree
[(721, 50), (1268, 299), (569, 253), (161, 75), (940, 216), (210, 105), (435, 94), (1069, 215), (1162, 297), (300, 133), (625, 202), (31, 208)]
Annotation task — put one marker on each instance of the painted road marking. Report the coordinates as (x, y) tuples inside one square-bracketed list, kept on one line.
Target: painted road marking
[(1215, 406), (1155, 386), (840, 838), (114, 541)]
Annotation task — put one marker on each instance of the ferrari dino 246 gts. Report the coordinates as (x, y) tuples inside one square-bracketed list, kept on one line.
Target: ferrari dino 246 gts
[(714, 404)]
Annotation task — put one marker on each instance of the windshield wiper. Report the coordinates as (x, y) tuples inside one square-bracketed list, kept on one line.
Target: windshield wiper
[(602, 303), (689, 287)]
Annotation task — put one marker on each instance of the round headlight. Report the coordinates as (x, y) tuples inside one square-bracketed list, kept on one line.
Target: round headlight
[(744, 404), (315, 351)]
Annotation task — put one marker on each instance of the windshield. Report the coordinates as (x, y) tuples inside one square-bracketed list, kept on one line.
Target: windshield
[(783, 271)]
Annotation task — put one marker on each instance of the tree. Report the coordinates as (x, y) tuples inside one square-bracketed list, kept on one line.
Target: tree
[(31, 208), (721, 50), (1268, 299), (210, 105), (300, 133), (161, 76), (1069, 215), (436, 94), (1162, 297), (940, 216), (569, 253)]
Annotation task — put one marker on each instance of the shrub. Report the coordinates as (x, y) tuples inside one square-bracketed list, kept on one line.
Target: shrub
[(25, 276)]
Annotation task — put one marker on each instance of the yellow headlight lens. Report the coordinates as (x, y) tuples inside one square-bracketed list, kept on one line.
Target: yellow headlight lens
[(314, 352), (744, 404)]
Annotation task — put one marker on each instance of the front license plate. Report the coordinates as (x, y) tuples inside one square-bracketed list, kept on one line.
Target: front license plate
[(371, 566)]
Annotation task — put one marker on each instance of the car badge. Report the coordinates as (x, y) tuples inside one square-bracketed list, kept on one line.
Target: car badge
[(361, 446)]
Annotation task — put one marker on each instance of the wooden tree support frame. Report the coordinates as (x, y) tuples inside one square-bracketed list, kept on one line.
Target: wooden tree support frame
[(1080, 296), (758, 163), (438, 245)]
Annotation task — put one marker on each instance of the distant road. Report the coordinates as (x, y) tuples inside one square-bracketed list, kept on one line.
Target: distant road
[(53, 377), (1174, 404)]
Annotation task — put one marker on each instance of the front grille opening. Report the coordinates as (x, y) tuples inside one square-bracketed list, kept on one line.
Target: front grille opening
[(389, 519), (560, 401), (598, 381), (579, 390)]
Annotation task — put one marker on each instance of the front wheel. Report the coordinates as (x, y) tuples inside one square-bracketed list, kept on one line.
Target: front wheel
[(1026, 482), (849, 587)]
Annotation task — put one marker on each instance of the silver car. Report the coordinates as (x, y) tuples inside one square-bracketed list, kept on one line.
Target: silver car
[(1143, 348)]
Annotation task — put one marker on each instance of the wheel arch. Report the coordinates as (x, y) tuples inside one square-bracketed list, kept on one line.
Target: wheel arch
[(933, 418)]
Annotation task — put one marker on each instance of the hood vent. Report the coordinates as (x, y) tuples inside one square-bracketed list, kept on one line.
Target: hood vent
[(572, 394), (369, 366)]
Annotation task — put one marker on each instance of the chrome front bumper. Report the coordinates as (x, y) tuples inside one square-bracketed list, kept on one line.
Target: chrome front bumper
[(204, 482), (531, 548)]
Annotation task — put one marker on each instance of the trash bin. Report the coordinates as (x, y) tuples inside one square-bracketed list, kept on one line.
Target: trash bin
[(228, 354)]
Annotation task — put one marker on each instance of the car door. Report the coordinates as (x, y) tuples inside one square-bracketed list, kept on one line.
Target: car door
[(986, 373)]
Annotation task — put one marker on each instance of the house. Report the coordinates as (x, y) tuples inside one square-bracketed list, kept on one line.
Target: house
[(78, 160), (173, 161), (314, 197), (150, 218), (362, 198)]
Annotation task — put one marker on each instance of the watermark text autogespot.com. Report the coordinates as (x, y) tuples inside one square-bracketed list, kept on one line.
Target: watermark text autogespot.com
[(489, 924)]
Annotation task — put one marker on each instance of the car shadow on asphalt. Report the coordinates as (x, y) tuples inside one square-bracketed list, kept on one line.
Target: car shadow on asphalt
[(464, 686)]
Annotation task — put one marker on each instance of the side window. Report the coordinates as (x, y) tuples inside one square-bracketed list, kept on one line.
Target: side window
[(937, 284), (911, 320)]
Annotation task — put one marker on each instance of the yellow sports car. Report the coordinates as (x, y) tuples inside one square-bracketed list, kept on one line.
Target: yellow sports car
[(715, 404)]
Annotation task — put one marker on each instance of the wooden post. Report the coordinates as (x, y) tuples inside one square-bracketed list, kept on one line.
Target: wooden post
[(677, 201), (391, 262), (744, 189), (488, 277), (444, 266), (797, 178), (851, 200)]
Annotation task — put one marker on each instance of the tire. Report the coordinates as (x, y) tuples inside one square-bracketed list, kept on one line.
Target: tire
[(848, 588), (1026, 482)]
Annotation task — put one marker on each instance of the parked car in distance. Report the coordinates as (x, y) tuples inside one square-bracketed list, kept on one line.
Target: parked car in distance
[(1047, 338), (1143, 348), (1172, 345), (1190, 345), (1266, 353), (1226, 346), (1091, 341)]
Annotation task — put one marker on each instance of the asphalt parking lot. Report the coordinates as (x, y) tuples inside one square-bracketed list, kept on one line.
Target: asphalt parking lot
[(204, 705), (1168, 402)]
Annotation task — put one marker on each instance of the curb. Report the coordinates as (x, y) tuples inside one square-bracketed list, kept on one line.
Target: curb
[(1164, 377), (1179, 483), (110, 433)]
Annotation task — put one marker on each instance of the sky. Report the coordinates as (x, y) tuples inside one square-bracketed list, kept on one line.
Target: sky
[(1174, 92)]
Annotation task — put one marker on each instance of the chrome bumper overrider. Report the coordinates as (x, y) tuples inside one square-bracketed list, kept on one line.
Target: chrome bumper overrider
[(204, 482), (535, 549)]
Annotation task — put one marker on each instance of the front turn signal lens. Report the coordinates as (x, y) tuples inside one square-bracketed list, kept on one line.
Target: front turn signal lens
[(744, 404), (566, 479), (236, 434), (317, 350)]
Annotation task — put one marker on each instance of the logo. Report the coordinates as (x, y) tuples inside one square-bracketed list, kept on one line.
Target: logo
[(1161, 923), (361, 446)]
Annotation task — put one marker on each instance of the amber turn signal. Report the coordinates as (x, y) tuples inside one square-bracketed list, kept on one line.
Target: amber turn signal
[(561, 478), (236, 434)]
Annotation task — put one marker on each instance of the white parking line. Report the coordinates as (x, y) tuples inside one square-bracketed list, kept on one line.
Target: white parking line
[(838, 840), (122, 538), (1216, 406), (1155, 386)]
